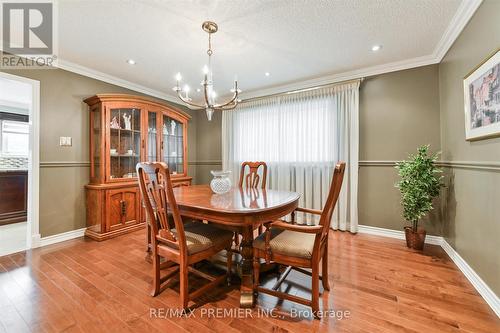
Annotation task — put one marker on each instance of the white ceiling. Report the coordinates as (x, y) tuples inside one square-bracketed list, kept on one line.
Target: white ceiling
[(293, 40)]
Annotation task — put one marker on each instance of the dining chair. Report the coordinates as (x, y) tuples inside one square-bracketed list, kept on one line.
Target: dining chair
[(299, 246), (181, 244), (251, 180), (148, 224)]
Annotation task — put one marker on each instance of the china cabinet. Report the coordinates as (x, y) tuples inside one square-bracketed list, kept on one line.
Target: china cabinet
[(126, 130)]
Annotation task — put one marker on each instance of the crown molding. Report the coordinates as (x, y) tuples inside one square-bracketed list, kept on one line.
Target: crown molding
[(464, 13), (85, 71), (462, 16), (340, 77)]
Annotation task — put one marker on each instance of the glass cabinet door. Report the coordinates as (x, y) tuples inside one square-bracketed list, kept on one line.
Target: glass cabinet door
[(152, 145), (96, 144), (173, 144), (125, 142)]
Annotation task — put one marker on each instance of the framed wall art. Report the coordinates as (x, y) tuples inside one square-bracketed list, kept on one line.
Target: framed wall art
[(482, 100)]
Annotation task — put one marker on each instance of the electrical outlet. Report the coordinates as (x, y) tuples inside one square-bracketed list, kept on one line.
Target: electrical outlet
[(65, 141)]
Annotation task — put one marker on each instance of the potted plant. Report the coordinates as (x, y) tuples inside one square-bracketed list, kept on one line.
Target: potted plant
[(420, 183)]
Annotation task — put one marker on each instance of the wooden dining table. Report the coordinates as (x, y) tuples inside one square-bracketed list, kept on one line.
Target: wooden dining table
[(242, 210)]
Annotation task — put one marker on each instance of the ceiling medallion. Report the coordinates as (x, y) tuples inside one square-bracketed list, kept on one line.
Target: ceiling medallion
[(210, 105)]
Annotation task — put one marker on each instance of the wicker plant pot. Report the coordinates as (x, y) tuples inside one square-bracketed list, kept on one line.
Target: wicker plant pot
[(415, 240)]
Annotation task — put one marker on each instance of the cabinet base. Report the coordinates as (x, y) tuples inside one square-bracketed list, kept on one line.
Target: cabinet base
[(100, 236)]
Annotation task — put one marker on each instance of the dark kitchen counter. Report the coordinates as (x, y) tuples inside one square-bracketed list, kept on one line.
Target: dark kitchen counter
[(13, 171), (13, 195)]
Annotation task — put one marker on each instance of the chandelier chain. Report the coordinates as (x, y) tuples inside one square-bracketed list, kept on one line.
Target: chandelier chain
[(209, 51)]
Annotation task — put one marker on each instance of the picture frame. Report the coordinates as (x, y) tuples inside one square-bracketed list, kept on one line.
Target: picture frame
[(482, 99)]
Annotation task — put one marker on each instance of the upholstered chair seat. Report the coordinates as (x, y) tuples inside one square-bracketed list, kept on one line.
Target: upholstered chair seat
[(288, 243), (200, 237)]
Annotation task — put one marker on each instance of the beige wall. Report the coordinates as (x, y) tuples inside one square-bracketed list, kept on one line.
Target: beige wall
[(208, 146), (471, 205), (63, 113), (398, 112)]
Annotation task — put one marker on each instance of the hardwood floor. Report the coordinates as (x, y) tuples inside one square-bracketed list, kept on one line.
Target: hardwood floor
[(376, 283)]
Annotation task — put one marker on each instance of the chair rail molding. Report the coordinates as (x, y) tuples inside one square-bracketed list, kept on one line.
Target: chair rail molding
[(205, 162), (473, 165), (64, 164)]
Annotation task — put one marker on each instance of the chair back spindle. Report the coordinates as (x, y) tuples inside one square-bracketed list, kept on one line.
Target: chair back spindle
[(252, 179), (333, 195), (157, 193)]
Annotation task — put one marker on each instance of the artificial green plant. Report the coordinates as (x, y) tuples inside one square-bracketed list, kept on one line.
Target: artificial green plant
[(419, 184)]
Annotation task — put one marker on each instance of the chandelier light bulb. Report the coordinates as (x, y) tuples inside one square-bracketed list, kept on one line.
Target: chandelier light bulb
[(178, 77), (186, 88), (205, 69)]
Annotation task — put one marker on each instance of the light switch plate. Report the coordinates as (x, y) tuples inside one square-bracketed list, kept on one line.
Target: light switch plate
[(65, 141)]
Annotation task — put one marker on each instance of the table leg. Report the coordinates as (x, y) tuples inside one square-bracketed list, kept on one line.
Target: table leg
[(246, 264)]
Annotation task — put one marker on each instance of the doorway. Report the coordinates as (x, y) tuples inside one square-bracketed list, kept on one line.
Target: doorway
[(19, 163)]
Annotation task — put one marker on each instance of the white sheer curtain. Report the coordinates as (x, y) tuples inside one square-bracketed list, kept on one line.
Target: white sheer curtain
[(301, 137)]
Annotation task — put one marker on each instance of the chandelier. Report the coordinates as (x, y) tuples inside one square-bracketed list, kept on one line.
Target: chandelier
[(210, 104)]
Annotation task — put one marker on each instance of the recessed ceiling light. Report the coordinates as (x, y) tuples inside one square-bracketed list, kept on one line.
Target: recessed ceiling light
[(131, 62), (376, 48), (267, 73)]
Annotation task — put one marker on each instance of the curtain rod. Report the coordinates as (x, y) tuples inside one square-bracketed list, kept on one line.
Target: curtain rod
[(302, 90)]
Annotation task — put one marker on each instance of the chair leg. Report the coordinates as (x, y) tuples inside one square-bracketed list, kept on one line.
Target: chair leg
[(324, 269), (183, 275), (229, 263), (315, 289), (236, 237), (156, 275)]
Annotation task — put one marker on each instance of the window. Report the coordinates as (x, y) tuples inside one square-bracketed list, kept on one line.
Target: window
[(301, 137), (14, 138)]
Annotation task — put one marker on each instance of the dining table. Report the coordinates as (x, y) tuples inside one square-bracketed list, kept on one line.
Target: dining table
[(242, 210)]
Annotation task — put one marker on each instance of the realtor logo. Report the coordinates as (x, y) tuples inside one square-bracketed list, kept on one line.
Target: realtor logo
[(28, 34)]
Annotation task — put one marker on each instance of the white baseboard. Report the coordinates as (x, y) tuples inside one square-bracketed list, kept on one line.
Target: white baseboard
[(35, 241), (60, 237), (399, 234), (482, 288)]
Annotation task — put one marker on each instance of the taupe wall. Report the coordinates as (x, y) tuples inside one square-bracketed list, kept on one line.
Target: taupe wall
[(398, 112), (208, 146), (471, 205), (63, 113)]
